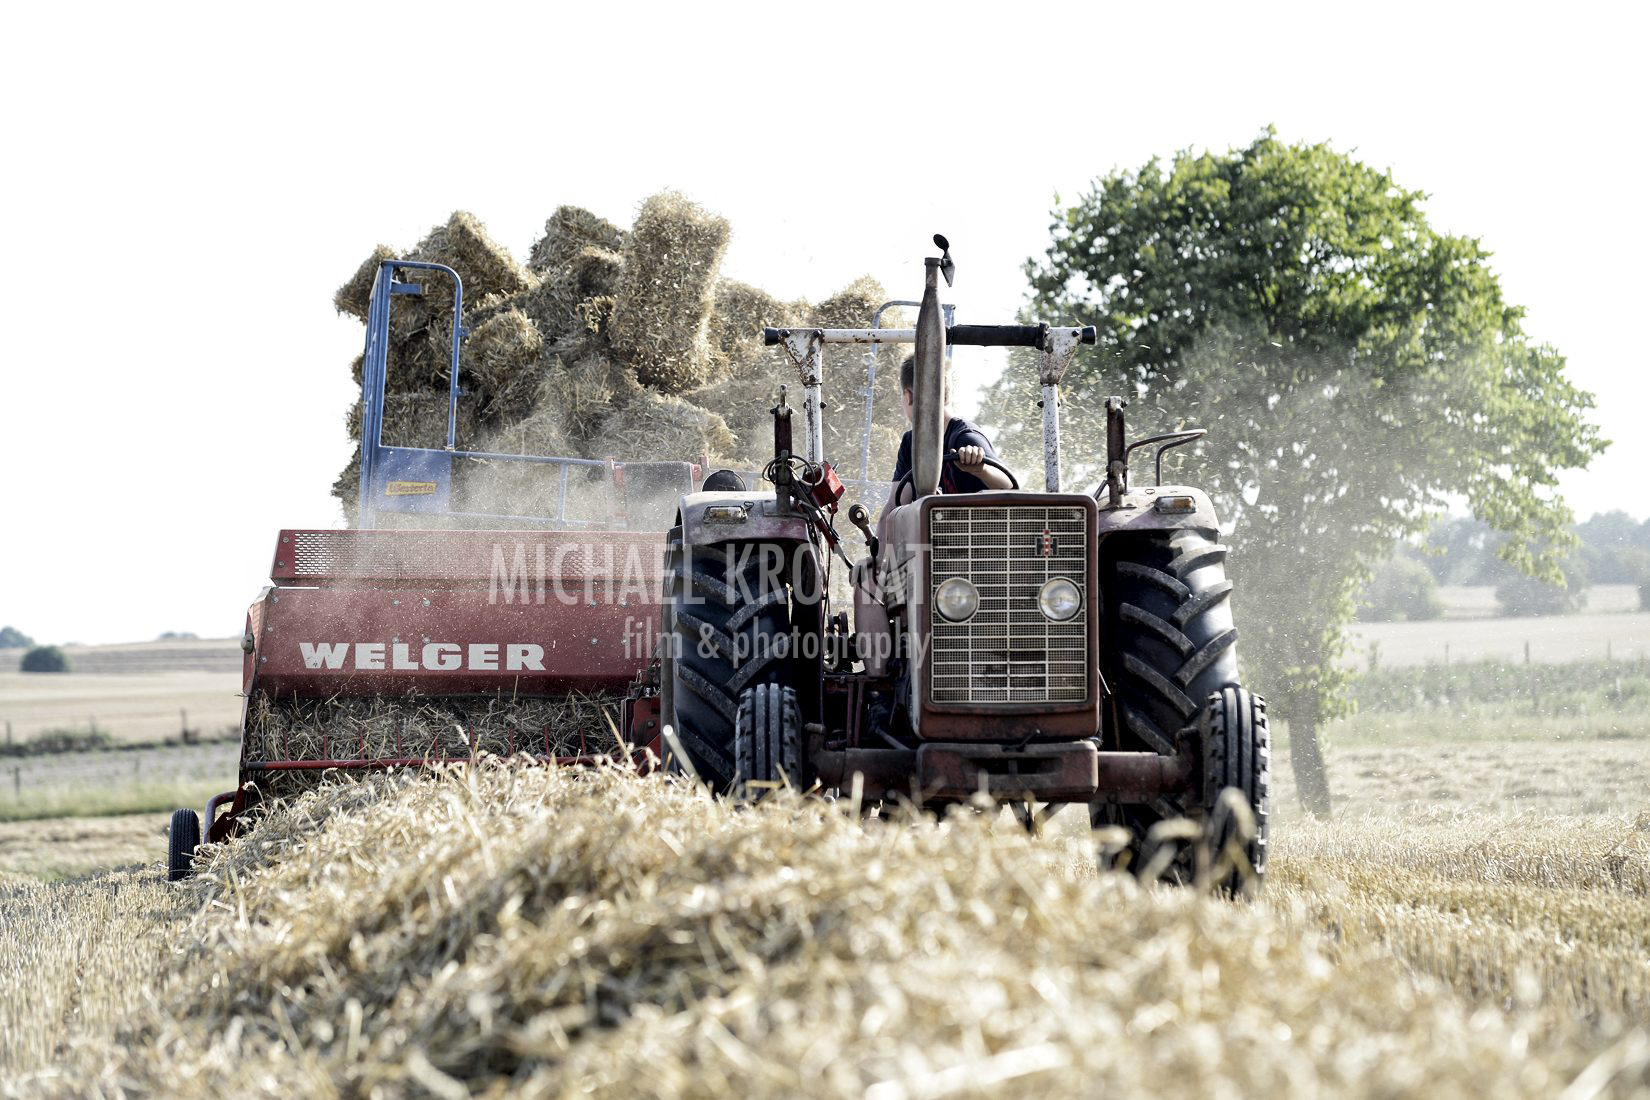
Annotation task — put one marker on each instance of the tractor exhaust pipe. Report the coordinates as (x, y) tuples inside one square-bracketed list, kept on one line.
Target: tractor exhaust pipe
[(928, 388)]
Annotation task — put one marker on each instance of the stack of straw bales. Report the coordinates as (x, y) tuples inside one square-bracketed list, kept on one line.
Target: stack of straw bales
[(607, 343)]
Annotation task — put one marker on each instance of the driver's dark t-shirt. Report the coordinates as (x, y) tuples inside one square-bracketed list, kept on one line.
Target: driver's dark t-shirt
[(958, 433)]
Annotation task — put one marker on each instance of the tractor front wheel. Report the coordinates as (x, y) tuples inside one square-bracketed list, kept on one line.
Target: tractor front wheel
[(767, 741), (1237, 775)]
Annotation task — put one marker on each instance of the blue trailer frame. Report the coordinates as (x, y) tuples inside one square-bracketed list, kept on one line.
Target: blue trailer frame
[(418, 480)]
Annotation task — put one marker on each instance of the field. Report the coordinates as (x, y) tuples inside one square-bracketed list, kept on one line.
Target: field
[(139, 693), (1611, 626), (1474, 921), (88, 784)]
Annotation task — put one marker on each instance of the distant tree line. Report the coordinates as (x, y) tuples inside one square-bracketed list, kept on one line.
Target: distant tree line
[(1611, 548)]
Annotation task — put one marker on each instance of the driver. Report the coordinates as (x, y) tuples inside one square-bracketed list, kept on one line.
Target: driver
[(968, 472)]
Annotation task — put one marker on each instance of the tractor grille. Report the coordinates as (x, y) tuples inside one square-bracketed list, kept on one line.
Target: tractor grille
[(1009, 652)]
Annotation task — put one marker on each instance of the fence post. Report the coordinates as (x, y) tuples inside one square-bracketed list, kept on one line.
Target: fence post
[(1529, 675)]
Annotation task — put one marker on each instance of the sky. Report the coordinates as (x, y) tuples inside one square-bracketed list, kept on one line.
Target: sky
[(187, 185)]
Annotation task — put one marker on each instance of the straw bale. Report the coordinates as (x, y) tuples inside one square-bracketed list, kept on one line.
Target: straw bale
[(567, 232), (420, 420), (485, 266), (557, 304), (419, 364), (346, 487), (501, 348), (590, 390), (850, 307), (741, 313), (355, 296), (661, 427), (597, 315), (665, 296), (744, 404)]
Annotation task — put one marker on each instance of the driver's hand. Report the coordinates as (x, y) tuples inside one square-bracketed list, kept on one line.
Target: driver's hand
[(970, 458)]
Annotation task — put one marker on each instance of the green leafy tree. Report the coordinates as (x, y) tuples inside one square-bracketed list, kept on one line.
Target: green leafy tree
[(1355, 368), (45, 658), (12, 638), (1635, 564), (1401, 589), (1520, 594)]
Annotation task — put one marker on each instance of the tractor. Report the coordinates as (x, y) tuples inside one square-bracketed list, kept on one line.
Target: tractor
[(1039, 647)]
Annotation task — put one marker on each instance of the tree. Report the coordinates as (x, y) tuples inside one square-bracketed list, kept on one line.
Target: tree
[(1610, 543), (1401, 588), (12, 638), (45, 658), (1521, 594), (1635, 564), (1355, 368)]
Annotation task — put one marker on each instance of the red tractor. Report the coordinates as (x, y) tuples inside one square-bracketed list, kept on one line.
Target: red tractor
[(1037, 646)]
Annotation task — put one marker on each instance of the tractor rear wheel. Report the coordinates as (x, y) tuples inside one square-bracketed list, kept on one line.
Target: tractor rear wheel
[(767, 741), (182, 839), (730, 630), (1237, 768), (1168, 643)]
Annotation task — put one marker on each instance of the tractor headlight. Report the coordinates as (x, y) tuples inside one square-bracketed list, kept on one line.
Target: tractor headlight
[(1059, 599), (956, 599)]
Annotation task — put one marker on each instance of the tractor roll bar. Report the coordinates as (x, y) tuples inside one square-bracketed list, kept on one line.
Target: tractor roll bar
[(979, 336)]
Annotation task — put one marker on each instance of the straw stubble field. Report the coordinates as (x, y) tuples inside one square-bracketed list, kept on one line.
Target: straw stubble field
[(539, 932)]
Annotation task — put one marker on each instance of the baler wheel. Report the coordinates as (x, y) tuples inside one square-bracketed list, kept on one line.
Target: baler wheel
[(1237, 767), (728, 634), (182, 839), (767, 741), (1167, 645)]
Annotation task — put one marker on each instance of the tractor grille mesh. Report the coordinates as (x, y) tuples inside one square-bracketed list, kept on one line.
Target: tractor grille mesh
[(1009, 652)]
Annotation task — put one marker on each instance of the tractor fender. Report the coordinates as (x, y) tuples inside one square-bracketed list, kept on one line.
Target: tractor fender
[(1140, 512), (710, 518)]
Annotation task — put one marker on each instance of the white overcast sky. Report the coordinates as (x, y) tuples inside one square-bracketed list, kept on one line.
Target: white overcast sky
[(185, 186)]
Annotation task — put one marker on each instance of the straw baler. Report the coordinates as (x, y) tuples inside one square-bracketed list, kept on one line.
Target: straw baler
[(392, 645)]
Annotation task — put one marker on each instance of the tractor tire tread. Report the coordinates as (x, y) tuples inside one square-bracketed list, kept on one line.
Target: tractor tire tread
[(1169, 632)]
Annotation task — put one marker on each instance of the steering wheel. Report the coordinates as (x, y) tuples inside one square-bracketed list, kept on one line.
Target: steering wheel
[(951, 457)]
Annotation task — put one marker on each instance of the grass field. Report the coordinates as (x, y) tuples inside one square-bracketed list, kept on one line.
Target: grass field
[(99, 783)]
